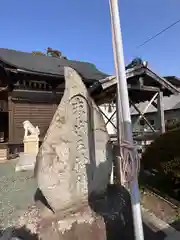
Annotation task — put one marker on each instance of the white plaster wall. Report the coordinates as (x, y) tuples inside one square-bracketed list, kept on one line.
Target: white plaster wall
[(108, 110), (170, 114)]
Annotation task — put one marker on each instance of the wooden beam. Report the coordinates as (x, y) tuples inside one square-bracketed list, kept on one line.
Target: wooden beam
[(135, 71), (146, 136), (162, 81), (145, 109), (161, 112), (155, 105), (142, 116), (143, 88), (107, 118), (4, 88), (113, 82)]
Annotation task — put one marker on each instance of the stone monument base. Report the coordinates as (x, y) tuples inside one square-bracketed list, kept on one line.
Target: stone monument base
[(77, 226), (107, 218)]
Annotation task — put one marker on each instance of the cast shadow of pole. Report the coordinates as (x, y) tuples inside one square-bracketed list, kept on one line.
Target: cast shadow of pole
[(114, 207), (21, 233), (114, 204)]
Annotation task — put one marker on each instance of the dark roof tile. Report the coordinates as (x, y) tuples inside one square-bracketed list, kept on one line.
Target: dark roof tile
[(48, 65)]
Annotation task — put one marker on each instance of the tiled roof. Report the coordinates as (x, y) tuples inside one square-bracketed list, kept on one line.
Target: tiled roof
[(48, 65)]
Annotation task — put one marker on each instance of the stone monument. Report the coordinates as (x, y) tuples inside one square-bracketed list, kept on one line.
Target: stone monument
[(73, 169), (75, 158)]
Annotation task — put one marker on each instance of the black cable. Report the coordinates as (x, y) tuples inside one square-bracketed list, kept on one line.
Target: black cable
[(159, 33)]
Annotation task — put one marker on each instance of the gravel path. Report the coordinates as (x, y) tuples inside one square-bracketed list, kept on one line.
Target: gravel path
[(16, 200), (16, 193)]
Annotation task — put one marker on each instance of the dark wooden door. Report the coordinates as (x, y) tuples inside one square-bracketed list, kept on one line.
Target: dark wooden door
[(39, 114)]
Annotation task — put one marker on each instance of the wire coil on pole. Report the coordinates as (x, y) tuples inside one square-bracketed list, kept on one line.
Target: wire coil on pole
[(129, 162)]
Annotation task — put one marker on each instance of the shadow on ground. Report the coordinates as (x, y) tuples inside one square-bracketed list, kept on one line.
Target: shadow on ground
[(152, 234), (119, 220), (22, 233), (176, 225)]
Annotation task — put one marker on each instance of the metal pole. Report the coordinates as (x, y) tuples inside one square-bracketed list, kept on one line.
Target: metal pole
[(123, 110)]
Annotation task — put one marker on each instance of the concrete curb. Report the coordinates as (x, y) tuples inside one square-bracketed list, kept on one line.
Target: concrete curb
[(171, 233)]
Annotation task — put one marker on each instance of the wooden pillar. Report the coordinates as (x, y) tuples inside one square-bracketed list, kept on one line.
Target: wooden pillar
[(161, 112)]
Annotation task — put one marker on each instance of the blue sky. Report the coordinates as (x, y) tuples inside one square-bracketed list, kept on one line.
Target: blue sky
[(81, 30)]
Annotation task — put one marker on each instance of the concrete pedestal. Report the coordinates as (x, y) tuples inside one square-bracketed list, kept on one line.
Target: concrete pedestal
[(31, 144)]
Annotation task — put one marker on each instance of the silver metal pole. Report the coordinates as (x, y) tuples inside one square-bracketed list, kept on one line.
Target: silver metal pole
[(124, 111)]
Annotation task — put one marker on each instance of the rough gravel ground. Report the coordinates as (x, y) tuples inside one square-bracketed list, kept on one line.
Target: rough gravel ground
[(161, 208), (17, 204), (16, 194)]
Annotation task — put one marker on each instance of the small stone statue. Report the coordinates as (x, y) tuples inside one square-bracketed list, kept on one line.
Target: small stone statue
[(29, 128), (27, 158)]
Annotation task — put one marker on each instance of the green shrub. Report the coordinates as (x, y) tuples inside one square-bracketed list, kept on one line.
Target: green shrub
[(163, 155), (172, 124), (164, 148)]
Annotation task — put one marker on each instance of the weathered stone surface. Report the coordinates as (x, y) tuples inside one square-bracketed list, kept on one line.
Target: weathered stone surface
[(81, 225), (75, 158), (106, 218)]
